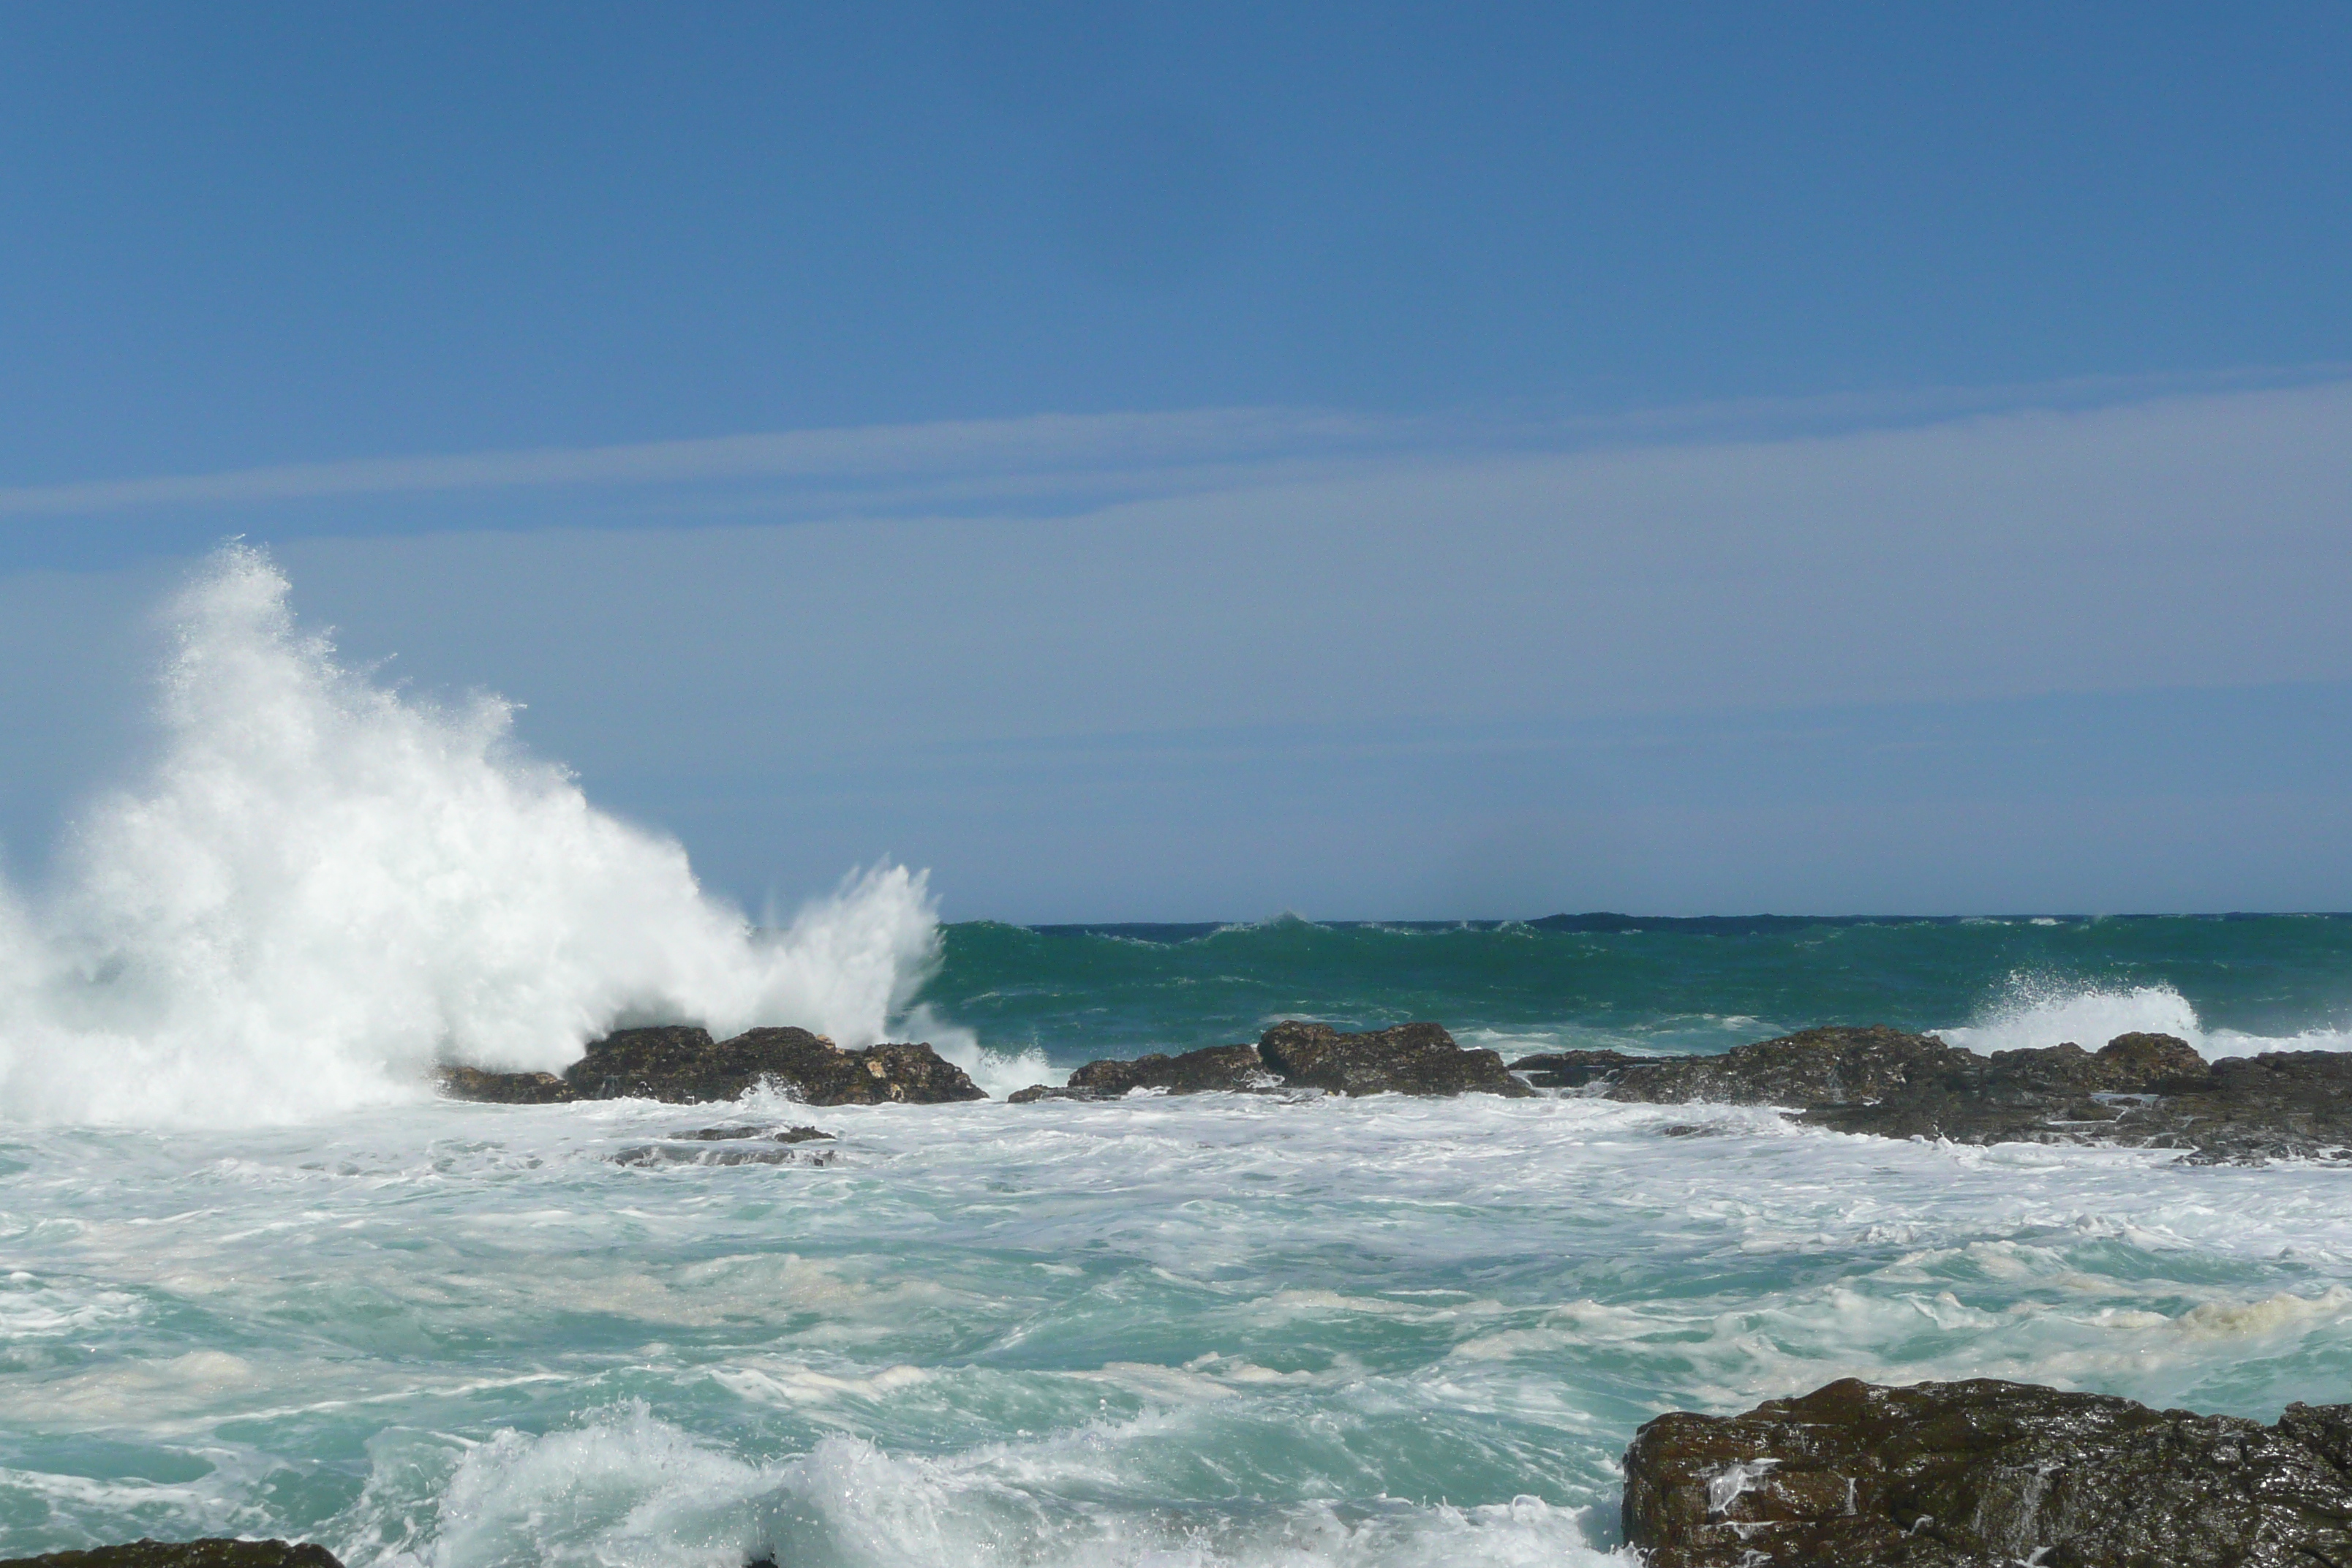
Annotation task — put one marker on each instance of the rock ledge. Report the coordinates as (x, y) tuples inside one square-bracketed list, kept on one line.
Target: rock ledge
[(215, 1552), (2143, 1089), (682, 1064), (1984, 1474), (1411, 1058)]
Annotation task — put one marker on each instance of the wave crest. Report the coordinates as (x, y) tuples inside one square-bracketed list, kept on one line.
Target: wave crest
[(2038, 1010), (323, 886)]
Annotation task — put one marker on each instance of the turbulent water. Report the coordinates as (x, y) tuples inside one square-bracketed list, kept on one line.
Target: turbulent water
[(253, 1280)]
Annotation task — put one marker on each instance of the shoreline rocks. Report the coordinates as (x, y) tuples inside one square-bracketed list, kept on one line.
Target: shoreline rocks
[(1983, 1473), (682, 1064), (213, 1552), (2139, 1090), (1409, 1058)]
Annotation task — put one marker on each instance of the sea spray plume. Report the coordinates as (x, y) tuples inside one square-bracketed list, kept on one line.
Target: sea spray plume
[(323, 887)]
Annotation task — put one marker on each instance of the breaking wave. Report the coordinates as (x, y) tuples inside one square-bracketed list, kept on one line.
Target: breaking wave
[(2034, 1010), (626, 1486), (323, 886)]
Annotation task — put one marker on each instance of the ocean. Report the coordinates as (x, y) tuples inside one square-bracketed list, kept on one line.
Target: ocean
[(256, 1278)]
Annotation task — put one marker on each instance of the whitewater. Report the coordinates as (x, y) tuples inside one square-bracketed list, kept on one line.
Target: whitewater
[(322, 888), (256, 1278)]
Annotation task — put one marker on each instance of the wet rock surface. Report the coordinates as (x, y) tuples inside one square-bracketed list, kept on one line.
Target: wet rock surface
[(732, 1146), (1232, 1067), (650, 1154), (2142, 1089), (505, 1088), (216, 1551), (775, 1134), (1411, 1058), (683, 1065), (1986, 1473)]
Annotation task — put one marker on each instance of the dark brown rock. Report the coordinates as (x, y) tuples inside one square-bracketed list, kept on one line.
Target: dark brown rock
[(1813, 1067), (1985, 1473), (1411, 1058), (216, 1551), (1236, 1069), (505, 1088), (682, 1064), (1041, 1092), (1574, 1069), (2142, 1089)]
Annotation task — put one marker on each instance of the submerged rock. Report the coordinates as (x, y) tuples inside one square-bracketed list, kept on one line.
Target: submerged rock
[(779, 1134), (1987, 1473), (1411, 1059), (682, 1064), (693, 1148), (215, 1552), (2141, 1090), (732, 1154)]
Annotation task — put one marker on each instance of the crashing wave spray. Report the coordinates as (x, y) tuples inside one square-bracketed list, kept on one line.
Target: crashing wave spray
[(323, 888), (2035, 1010)]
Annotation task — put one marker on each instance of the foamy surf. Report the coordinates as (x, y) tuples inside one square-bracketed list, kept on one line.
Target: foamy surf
[(1217, 1331), (2040, 1010), (324, 886)]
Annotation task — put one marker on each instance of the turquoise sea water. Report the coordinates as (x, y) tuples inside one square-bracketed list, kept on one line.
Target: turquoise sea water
[(1667, 984), (1160, 1332)]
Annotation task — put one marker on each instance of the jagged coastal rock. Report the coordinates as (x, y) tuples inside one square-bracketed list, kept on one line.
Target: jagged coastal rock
[(1235, 1067), (1984, 1474), (217, 1552), (2141, 1090), (2148, 1090), (1411, 1058), (683, 1065)]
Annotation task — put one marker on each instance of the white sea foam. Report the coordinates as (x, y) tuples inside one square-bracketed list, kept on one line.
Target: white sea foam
[(630, 1487), (323, 885), (2036, 1010), (1001, 1073), (1205, 1331)]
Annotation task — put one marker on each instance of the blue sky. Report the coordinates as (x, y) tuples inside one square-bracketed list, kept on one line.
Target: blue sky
[(1192, 462)]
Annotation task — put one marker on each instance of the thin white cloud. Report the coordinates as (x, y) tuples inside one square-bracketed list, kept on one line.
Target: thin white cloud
[(1042, 443), (1170, 453)]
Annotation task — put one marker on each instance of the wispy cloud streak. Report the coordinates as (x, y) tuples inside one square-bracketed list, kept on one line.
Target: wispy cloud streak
[(1046, 454), (1044, 442)]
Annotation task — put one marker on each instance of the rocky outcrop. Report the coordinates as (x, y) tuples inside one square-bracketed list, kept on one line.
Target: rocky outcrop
[(1984, 1474), (1813, 1067), (217, 1552), (1238, 1069), (682, 1063), (2143, 1089), (505, 1088), (1411, 1059)]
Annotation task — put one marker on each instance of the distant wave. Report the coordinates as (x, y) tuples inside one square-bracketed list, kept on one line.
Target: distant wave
[(323, 886), (2035, 1010)]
